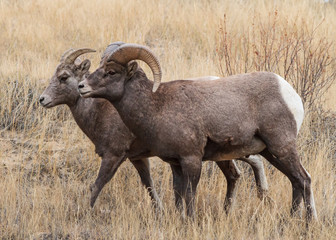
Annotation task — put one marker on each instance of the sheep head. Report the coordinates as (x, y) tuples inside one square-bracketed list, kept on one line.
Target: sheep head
[(62, 87), (116, 69)]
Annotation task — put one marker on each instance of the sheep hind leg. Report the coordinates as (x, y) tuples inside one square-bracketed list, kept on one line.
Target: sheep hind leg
[(290, 165), (257, 165), (108, 167), (143, 168), (232, 174)]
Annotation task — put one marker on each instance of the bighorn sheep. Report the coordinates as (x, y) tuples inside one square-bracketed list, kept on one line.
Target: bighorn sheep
[(98, 119), (185, 122)]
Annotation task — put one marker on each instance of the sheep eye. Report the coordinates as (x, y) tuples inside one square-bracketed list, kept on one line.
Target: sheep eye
[(63, 78), (111, 73)]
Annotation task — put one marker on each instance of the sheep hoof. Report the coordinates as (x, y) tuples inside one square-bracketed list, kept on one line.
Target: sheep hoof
[(94, 194)]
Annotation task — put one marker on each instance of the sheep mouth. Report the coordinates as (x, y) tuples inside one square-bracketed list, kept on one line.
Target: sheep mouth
[(85, 94), (47, 105)]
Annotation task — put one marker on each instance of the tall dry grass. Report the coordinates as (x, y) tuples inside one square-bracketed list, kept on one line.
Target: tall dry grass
[(47, 163)]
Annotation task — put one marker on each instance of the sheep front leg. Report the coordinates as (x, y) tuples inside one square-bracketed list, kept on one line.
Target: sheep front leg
[(108, 168), (178, 186), (143, 168), (191, 169)]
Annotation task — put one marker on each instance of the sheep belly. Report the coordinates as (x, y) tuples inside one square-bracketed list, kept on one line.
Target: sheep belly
[(215, 152)]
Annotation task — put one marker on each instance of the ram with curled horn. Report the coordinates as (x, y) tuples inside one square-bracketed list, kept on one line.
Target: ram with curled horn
[(99, 120), (186, 122)]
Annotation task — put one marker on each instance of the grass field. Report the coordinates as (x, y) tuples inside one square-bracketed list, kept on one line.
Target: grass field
[(47, 163)]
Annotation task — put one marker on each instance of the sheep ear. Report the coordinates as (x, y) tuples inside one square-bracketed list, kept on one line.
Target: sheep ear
[(85, 66), (78, 61), (132, 67)]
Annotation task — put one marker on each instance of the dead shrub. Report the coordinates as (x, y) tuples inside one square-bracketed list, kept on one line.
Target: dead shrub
[(296, 51)]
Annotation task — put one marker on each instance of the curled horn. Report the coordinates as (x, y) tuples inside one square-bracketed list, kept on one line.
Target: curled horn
[(109, 49), (70, 56), (128, 52)]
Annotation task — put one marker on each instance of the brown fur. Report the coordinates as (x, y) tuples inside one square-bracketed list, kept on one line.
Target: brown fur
[(185, 122), (99, 120)]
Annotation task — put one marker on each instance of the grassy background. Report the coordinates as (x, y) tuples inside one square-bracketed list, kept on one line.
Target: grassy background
[(47, 164)]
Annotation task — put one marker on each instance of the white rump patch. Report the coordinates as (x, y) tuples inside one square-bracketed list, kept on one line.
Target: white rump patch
[(293, 101)]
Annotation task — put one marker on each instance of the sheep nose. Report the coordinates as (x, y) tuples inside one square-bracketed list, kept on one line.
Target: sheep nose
[(41, 99), (81, 85)]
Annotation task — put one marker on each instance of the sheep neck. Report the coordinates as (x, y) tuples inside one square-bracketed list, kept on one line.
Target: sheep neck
[(83, 114), (137, 107)]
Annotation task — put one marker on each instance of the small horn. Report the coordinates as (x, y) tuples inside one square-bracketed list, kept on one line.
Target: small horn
[(71, 57), (129, 51)]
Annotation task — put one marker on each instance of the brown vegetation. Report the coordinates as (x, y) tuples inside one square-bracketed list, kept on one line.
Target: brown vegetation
[(47, 164)]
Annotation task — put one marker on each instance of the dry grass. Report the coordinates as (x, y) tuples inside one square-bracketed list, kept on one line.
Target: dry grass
[(47, 164)]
